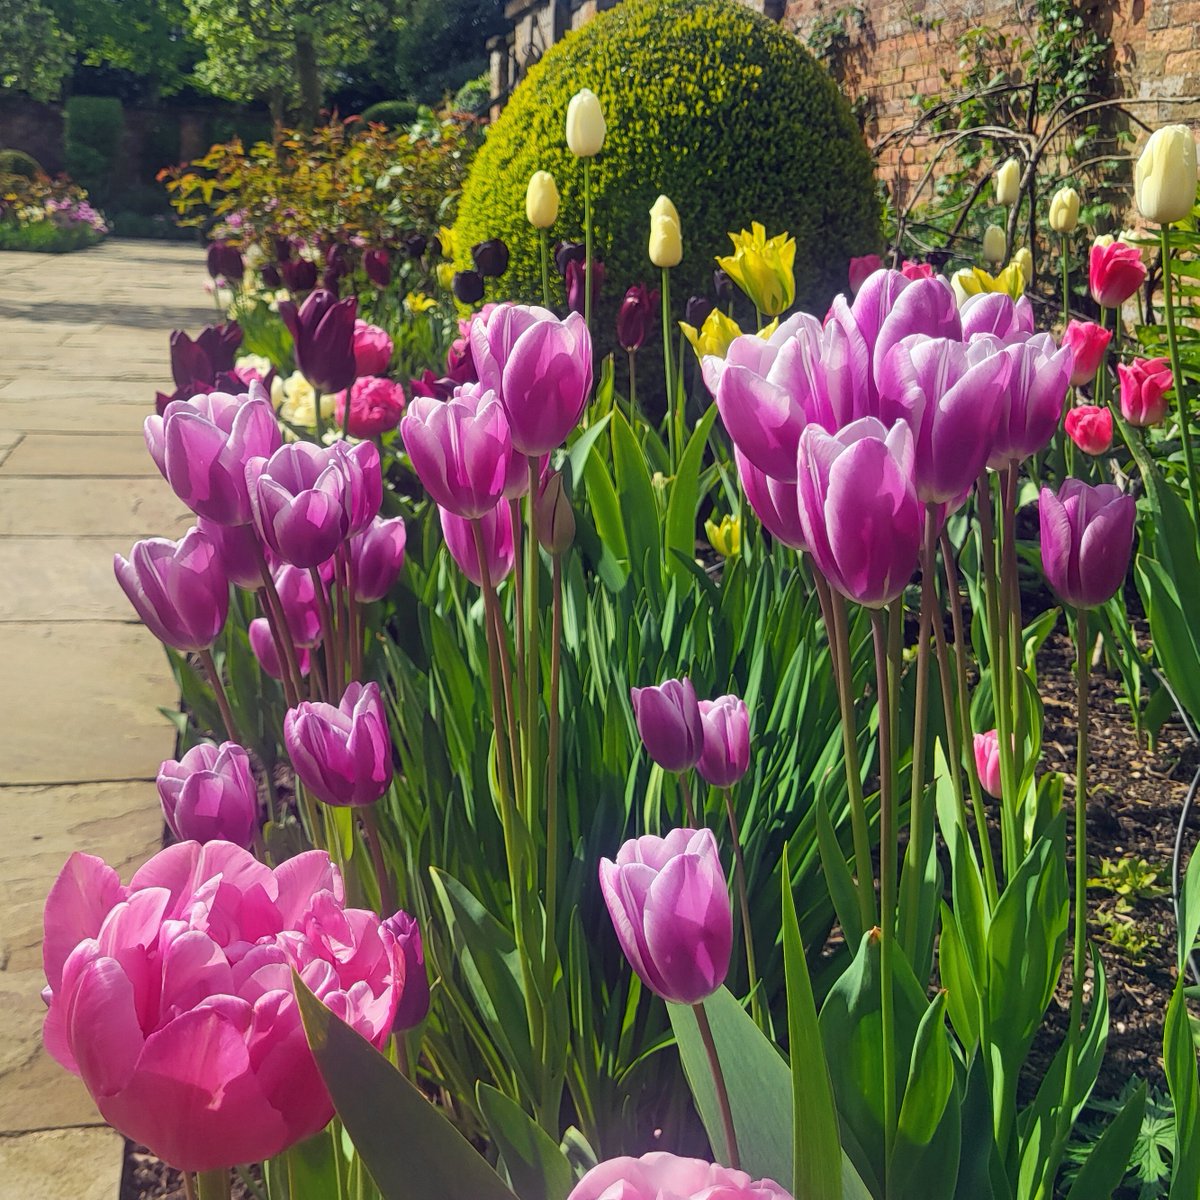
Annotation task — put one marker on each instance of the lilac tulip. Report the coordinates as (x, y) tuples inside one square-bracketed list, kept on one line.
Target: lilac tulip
[(661, 1176), (776, 504), (377, 555), (670, 907), (342, 754), (539, 367), (996, 313), (460, 448), (322, 330), (1037, 389), (298, 498), (951, 396), (987, 761), (209, 795), (262, 643), (298, 596), (668, 720), (498, 543), (362, 469), (1087, 540), (926, 306), (414, 999), (859, 509), (726, 754), (178, 589), (239, 550)]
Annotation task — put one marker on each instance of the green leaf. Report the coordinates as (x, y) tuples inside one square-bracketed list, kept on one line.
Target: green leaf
[(410, 1149), (1179, 1061), (1172, 631), (312, 1168), (1189, 912), (842, 891), (1109, 1159), (639, 506), (930, 1077), (537, 1168), (606, 508), (685, 494)]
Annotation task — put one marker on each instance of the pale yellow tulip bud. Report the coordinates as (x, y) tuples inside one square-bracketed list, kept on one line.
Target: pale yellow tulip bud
[(1007, 182), (1064, 210), (666, 242), (662, 207), (585, 124), (1164, 179), (541, 200), (995, 243), (1023, 258)]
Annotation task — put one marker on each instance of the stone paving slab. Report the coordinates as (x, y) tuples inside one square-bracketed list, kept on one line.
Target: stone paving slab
[(119, 509), (67, 1164), (75, 415), (72, 455), (62, 578)]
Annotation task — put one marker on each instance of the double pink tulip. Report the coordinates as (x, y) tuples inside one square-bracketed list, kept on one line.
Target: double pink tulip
[(372, 348), (1090, 428), (660, 1176)]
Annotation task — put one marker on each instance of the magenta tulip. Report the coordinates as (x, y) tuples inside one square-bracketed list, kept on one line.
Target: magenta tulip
[(987, 761), (177, 588), (668, 720), (377, 555), (670, 907), (322, 330), (726, 754), (1087, 540), (378, 267), (1115, 272), (1090, 428), (209, 795), (499, 548), (861, 269), (997, 314), (1037, 388), (859, 509), (660, 1176), (926, 306), (298, 596), (1145, 383), (362, 469), (240, 552), (1088, 342), (172, 997), (460, 448), (414, 999), (342, 754), (911, 269), (298, 498), (262, 644), (776, 504), (372, 348)]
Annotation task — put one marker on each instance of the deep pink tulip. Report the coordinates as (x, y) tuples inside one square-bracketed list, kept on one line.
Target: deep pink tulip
[(1037, 388), (298, 595), (670, 907), (262, 643), (376, 405), (172, 997), (668, 720), (1087, 539), (460, 365), (414, 999), (996, 313), (951, 395), (776, 504), (372, 349), (178, 589), (202, 445), (377, 555), (378, 267), (1088, 342), (635, 317), (861, 269), (916, 270), (1090, 428), (499, 546), (322, 330), (239, 550), (660, 1176), (363, 471), (298, 498), (209, 795), (539, 367), (343, 753), (460, 448), (859, 509), (987, 761), (726, 754), (1115, 272), (1145, 383)]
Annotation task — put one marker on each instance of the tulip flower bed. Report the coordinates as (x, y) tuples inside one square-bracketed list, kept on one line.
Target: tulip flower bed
[(519, 851)]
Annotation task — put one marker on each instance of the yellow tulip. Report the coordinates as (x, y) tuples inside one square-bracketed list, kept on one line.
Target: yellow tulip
[(995, 243), (445, 275), (1006, 183), (418, 302), (445, 237), (973, 280), (585, 124), (666, 242), (763, 268), (1064, 210), (1164, 179), (663, 207), (1023, 258), (717, 333), (726, 538), (541, 200)]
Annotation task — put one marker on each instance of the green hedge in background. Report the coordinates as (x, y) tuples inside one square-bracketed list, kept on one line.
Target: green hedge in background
[(94, 128)]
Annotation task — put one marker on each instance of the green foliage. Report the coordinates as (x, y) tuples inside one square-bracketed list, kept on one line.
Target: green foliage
[(45, 237), (17, 162), (439, 46), (473, 95), (399, 114), (94, 127), (36, 51), (705, 101)]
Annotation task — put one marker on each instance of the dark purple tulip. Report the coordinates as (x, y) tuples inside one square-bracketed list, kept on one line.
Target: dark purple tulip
[(343, 755), (414, 1000), (377, 556), (360, 464), (440, 388), (283, 249), (177, 588), (697, 311), (378, 266), (490, 258), (1087, 540), (565, 253), (726, 755), (337, 259), (467, 287), (635, 317), (460, 362), (722, 286), (322, 330), (225, 262), (668, 720), (271, 277), (299, 275), (415, 245), (209, 795), (239, 549), (199, 361), (298, 498), (576, 280)]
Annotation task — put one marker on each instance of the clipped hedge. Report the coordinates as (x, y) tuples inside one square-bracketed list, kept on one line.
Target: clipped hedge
[(706, 101), (17, 162), (396, 114)]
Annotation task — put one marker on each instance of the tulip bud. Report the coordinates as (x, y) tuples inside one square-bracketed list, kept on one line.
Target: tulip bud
[(668, 719), (1090, 428), (1007, 182), (553, 520), (1064, 210), (725, 538), (726, 754), (697, 309), (987, 761), (1087, 539), (414, 1000), (541, 200), (862, 268), (490, 258), (1115, 271), (666, 242), (995, 243), (467, 287), (262, 643), (585, 124), (1164, 179), (1023, 259), (378, 267)]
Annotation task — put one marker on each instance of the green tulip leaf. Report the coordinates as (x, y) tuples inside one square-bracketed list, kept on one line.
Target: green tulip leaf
[(685, 493), (1106, 1165), (536, 1167)]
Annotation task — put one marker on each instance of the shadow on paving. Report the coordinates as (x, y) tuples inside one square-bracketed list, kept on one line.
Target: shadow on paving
[(105, 312)]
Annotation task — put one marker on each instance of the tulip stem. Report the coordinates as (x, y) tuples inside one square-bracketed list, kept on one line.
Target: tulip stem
[(714, 1065), (1079, 961), (387, 895), (739, 880), (333, 674), (1177, 379), (532, 646), (518, 526), (544, 242), (632, 386), (189, 1186), (689, 809), (214, 677), (556, 634), (1066, 279), (668, 368), (587, 242), (956, 739), (280, 628), (319, 423), (213, 1185)]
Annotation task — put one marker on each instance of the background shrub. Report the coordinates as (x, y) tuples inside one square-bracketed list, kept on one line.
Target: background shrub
[(17, 162), (397, 114), (93, 132), (706, 101)]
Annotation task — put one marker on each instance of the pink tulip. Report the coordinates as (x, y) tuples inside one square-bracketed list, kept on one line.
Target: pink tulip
[(298, 497), (1088, 342), (668, 721), (1115, 272), (262, 644), (172, 997), (361, 468), (1087, 540), (1090, 428), (916, 270), (539, 367), (987, 761), (378, 556), (1145, 383), (726, 755), (298, 596), (209, 795), (859, 509), (460, 448), (997, 314), (776, 504), (499, 549), (670, 907), (376, 405), (862, 268), (1034, 399), (239, 549), (372, 349), (660, 1176), (926, 306)]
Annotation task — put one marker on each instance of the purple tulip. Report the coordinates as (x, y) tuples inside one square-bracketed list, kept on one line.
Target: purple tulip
[(726, 754), (378, 266), (1037, 389), (361, 467), (322, 330), (467, 287), (239, 550), (1087, 540), (987, 761), (299, 275), (414, 999), (859, 509), (209, 795), (670, 907), (575, 284), (178, 589), (776, 504), (490, 257), (298, 596), (635, 317), (998, 314), (298, 499), (951, 395), (343, 755), (499, 548), (668, 720), (270, 276), (460, 448), (539, 367), (225, 262), (926, 306), (697, 310), (262, 643), (415, 245), (204, 364), (377, 555), (565, 253)]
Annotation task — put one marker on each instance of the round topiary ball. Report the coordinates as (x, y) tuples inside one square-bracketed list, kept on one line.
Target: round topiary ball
[(706, 101)]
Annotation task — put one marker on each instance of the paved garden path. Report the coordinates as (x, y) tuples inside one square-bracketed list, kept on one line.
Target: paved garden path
[(83, 346)]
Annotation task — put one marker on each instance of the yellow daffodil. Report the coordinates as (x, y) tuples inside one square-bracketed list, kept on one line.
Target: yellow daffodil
[(418, 302), (764, 268), (726, 538), (973, 280)]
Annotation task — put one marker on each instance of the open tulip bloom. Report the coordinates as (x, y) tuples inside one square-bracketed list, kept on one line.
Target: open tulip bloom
[(1087, 539), (668, 719), (298, 498), (209, 795)]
